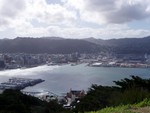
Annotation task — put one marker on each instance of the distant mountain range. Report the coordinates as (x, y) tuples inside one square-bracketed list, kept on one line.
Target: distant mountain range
[(47, 45), (88, 45)]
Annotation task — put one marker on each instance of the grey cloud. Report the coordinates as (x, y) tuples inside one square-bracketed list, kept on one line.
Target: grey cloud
[(127, 13), (9, 10), (100, 5), (12, 8), (3, 22), (53, 1), (117, 11)]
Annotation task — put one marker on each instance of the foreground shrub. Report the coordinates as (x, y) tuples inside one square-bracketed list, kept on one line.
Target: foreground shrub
[(127, 91)]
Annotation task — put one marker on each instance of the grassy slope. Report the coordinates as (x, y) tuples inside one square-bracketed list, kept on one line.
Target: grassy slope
[(142, 107)]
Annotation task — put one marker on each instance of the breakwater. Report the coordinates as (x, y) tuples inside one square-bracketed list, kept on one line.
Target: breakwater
[(19, 83)]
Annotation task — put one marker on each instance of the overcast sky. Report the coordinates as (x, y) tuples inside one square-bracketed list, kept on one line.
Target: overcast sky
[(103, 19)]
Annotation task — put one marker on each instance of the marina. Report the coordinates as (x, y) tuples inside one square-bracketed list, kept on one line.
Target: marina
[(19, 83)]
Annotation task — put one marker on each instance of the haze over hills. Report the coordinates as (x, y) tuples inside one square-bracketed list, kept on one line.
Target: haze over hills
[(62, 45)]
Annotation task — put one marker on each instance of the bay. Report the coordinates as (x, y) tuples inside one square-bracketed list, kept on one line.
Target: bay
[(60, 79)]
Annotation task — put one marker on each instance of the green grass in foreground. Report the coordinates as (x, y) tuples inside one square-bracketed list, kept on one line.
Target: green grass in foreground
[(124, 108)]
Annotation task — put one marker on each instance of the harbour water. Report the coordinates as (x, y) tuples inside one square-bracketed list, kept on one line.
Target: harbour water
[(59, 79)]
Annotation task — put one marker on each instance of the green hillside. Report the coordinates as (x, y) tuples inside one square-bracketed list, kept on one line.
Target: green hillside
[(142, 107)]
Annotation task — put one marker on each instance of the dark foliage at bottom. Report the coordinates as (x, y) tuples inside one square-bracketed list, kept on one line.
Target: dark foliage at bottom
[(12, 101)]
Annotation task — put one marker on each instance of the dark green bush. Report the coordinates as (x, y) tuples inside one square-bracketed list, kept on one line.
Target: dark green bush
[(12, 101), (127, 91)]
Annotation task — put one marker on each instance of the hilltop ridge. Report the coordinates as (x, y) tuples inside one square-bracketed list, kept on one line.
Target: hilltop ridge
[(54, 45)]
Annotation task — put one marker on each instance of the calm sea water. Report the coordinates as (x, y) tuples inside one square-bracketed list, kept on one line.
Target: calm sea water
[(60, 79)]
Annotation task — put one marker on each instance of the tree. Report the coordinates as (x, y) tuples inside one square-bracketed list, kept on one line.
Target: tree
[(134, 82)]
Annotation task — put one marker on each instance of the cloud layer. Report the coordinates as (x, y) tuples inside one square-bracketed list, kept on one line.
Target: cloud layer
[(111, 11), (74, 18)]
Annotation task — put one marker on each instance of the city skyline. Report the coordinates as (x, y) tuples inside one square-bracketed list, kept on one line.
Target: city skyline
[(104, 19)]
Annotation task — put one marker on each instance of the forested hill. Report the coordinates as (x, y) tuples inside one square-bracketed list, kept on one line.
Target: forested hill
[(125, 45), (61, 45), (46, 45)]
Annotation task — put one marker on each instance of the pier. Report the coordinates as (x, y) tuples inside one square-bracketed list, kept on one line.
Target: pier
[(19, 83)]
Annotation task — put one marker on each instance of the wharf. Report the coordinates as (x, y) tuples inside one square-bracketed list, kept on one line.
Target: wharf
[(19, 83)]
